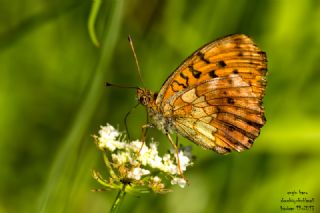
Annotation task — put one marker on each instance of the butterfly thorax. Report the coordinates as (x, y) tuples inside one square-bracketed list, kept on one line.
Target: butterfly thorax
[(148, 99)]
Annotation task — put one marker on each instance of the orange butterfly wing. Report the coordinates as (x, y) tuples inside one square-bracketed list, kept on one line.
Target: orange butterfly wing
[(214, 97), (236, 54)]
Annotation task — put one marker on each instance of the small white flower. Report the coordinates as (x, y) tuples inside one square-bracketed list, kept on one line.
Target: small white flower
[(138, 161), (168, 165), (136, 173), (108, 138), (156, 179), (166, 158), (138, 146), (153, 148), (156, 162), (149, 156), (171, 168), (108, 133), (184, 161), (120, 158), (180, 181)]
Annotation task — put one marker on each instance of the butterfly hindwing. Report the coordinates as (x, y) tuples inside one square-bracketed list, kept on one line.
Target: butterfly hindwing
[(221, 114)]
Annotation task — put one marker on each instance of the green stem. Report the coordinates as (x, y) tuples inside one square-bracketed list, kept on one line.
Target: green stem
[(107, 163), (96, 5), (56, 194), (119, 199)]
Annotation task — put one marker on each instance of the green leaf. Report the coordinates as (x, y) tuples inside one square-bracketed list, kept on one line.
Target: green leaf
[(96, 5)]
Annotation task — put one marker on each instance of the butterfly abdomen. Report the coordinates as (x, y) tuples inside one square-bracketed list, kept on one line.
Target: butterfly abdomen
[(163, 123)]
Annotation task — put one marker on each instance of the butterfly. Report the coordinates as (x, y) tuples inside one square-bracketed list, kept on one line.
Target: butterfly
[(214, 98)]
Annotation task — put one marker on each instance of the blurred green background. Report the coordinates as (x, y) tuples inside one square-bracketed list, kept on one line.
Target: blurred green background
[(53, 98)]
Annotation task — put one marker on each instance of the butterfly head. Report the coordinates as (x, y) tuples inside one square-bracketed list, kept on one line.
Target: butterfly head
[(146, 97)]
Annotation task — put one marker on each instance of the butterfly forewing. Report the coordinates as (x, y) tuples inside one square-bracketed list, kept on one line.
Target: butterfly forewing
[(214, 97), (235, 54)]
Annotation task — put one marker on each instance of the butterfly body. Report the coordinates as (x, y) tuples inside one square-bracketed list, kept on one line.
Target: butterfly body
[(214, 97), (161, 120)]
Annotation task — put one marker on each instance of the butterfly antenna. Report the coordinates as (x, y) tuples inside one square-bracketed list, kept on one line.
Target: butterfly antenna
[(108, 84), (136, 59)]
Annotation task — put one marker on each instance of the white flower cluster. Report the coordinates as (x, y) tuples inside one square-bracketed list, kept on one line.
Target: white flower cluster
[(141, 160)]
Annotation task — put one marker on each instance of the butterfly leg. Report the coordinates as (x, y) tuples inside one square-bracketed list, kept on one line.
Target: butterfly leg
[(126, 120), (177, 140), (144, 129), (177, 153)]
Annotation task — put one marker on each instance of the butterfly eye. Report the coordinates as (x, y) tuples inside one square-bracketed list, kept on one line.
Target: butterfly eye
[(144, 100)]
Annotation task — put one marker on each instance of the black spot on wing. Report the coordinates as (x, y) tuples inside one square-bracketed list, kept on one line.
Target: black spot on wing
[(255, 125), (194, 72), (250, 141), (175, 82), (202, 58), (221, 150), (264, 55), (185, 77), (264, 70), (221, 64), (264, 118), (213, 74), (230, 100), (231, 128)]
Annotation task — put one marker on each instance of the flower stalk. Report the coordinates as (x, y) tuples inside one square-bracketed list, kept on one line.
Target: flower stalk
[(119, 199)]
